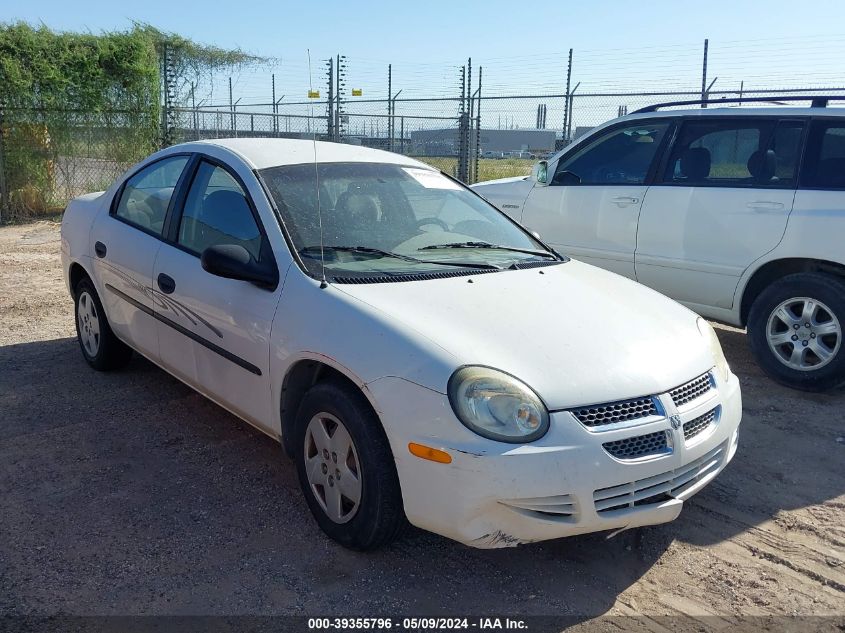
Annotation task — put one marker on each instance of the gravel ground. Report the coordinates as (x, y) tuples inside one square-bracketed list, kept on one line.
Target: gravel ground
[(128, 493)]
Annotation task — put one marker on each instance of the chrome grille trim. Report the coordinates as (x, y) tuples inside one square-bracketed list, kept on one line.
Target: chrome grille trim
[(660, 487), (639, 446), (700, 424), (691, 390), (616, 412)]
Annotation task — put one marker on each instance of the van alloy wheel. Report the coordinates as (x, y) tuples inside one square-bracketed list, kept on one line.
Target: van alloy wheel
[(332, 467), (804, 333)]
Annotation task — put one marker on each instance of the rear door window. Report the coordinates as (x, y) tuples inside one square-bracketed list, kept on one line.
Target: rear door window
[(146, 195), (824, 167), (739, 152)]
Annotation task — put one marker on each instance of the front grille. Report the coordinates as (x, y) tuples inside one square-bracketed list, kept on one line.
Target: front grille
[(660, 487), (690, 391), (639, 446), (612, 412), (561, 508), (699, 424)]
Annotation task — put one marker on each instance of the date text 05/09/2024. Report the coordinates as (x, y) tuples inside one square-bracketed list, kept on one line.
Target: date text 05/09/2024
[(416, 624)]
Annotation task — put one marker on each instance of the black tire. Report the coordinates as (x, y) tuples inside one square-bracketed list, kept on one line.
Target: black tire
[(826, 289), (380, 516), (110, 352)]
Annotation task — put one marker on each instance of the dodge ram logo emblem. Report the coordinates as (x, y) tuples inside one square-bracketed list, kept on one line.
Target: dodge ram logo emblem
[(676, 421)]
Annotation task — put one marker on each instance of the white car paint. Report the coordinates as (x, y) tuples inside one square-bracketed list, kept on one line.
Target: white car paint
[(577, 335), (700, 246)]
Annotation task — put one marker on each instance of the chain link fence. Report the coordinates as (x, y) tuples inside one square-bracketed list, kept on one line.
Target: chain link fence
[(46, 158)]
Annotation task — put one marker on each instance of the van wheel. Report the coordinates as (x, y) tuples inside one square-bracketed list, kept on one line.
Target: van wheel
[(346, 468), (100, 347), (795, 329)]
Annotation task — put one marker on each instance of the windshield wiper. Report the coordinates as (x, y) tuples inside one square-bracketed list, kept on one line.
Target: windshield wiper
[(488, 245), (315, 251)]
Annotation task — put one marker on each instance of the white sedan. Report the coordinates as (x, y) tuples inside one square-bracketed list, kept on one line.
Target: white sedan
[(419, 355)]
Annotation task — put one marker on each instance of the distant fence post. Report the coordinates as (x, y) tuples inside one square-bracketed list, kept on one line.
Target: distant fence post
[(5, 207), (566, 100), (704, 76), (463, 132), (477, 129)]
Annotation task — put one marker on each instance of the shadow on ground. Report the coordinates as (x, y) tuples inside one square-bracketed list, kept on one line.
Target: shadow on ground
[(129, 493)]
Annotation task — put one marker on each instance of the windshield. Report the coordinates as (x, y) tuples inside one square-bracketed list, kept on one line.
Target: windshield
[(391, 219)]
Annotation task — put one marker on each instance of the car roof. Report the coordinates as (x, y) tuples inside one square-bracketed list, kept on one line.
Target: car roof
[(261, 153), (711, 110)]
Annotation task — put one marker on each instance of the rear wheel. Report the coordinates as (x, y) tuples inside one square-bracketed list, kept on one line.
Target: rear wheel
[(346, 468), (795, 329), (100, 347)]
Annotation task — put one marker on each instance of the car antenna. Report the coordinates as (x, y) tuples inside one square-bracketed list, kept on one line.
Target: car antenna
[(323, 282)]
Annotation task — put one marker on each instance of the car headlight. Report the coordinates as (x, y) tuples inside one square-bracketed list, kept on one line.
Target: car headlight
[(497, 406), (719, 360)]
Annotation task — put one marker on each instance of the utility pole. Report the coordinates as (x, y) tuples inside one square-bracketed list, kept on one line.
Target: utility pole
[(567, 100), (477, 128), (275, 120), (569, 109), (392, 119), (704, 76), (462, 137), (338, 113), (389, 107), (330, 99)]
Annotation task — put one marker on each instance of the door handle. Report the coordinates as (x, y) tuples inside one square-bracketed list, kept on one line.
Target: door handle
[(765, 205), (624, 201), (100, 249), (166, 283)]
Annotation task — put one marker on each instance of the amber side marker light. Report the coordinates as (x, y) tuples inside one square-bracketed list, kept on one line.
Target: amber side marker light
[(431, 454)]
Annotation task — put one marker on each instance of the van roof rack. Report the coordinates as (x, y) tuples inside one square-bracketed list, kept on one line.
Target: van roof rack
[(816, 101)]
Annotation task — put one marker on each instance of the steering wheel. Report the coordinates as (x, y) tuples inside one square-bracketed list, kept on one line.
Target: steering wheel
[(605, 174), (426, 221)]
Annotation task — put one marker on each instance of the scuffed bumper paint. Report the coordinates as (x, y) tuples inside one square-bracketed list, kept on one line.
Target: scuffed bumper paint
[(489, 495)]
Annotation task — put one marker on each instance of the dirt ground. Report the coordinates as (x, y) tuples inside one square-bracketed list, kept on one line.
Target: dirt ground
[(128, 493)]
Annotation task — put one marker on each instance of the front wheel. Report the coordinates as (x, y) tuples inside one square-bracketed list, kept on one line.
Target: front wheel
[(795, 329), (346, 468)]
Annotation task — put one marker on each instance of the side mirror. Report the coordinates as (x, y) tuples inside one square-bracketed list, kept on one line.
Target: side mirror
[(233, 261), (540, 173)]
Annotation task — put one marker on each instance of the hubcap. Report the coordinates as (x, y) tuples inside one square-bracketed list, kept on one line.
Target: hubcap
[(332, 467), (89, 324), (804, 334)]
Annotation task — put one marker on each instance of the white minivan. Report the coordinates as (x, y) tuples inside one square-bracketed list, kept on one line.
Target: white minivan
[(738, 213)]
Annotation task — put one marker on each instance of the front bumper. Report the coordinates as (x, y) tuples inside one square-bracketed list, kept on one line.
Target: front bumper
[(498, 495)]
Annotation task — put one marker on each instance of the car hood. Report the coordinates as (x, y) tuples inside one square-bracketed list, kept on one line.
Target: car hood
[(576, 334)]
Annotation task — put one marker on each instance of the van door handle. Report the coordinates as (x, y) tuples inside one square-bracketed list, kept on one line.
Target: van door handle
[(624, 201), (166, 283), (765, 205), (100, 249)]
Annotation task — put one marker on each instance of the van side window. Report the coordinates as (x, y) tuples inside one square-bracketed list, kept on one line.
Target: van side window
[(824, 166), (735, 153), (146, 195), (622, 156)]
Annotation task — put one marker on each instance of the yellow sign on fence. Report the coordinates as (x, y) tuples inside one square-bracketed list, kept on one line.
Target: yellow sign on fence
[(357, 92), (313, 94)]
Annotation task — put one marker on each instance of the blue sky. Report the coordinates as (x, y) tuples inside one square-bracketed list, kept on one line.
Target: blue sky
[(522, 45)]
